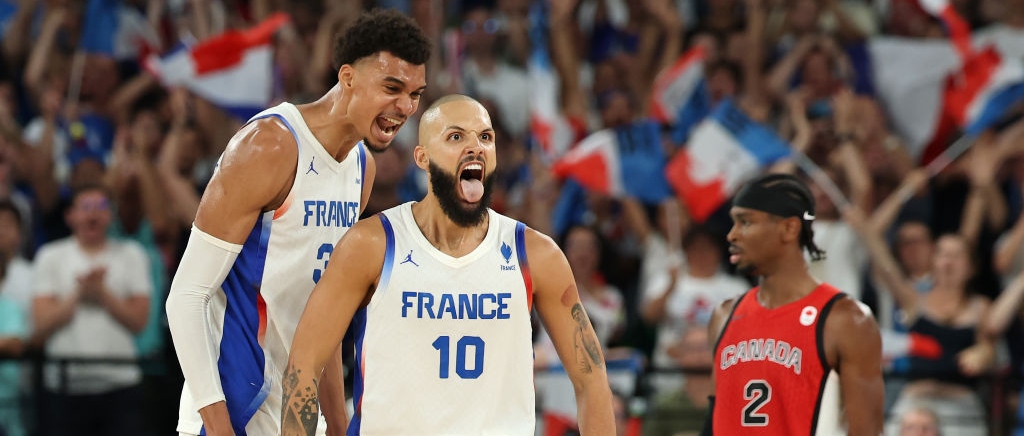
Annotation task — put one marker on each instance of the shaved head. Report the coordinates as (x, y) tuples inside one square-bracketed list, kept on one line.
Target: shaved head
[(456, 148), (431, 116)]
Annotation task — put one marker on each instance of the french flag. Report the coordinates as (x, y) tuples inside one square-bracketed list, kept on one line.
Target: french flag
[(116, 30), (680, 96), (724, 151), (594, 163), (617, 162), (984, 90), (978, 94), (913, 96), (233, 70)]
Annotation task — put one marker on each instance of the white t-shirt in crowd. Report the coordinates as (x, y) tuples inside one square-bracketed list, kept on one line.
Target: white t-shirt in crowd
[(92, 332)]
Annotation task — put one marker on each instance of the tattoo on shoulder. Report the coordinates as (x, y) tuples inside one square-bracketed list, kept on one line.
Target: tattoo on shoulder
[(301, 406), (588, 352)]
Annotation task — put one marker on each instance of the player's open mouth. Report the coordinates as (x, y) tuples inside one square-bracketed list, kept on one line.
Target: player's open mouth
[(471, 184), (387, 126)]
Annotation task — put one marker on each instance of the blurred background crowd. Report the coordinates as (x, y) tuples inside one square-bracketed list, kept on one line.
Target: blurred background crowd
[(99, 145)]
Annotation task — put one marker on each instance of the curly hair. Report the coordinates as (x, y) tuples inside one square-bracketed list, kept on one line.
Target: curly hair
[(382, 30)]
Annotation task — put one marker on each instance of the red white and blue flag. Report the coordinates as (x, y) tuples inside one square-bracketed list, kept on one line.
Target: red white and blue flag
[(724, 151), (680, 96), (984, 90), (961, 87), (625, 161), (234, 70)]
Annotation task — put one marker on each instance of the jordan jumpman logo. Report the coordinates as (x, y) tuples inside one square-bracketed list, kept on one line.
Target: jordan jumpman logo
[(408, 259), (311, 169)]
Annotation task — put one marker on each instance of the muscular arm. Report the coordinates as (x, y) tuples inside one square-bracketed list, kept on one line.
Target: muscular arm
[(354, 268), (332, 395), (254, 174), (558, 303), (855, 351), (261, 157)]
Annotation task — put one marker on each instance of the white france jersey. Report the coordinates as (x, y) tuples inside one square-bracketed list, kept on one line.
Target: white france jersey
[(444, 345), (264, 294)]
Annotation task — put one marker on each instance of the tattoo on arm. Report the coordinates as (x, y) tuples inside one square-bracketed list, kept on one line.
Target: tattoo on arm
[(588, 352), (301, 406)]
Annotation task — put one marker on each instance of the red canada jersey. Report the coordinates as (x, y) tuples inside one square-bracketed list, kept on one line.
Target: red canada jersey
[(771, 373)]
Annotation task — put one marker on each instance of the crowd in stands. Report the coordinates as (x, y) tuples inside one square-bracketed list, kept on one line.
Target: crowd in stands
[(103, 165)]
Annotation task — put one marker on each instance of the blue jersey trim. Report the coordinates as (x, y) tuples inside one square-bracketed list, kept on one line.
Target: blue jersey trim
[(524, 264), (389, 252), (359, 328), (286, 124), (242, 361), (521, 245), (362, 163)]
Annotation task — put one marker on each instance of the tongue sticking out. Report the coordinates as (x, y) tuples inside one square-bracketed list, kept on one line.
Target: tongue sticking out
[(472, 189)]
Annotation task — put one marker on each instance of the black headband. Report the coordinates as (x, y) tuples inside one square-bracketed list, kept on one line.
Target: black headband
[(771, 200)]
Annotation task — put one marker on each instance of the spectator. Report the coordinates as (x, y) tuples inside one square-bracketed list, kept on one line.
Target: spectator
[(584, 248), (951, 315), (91, 295), (13, 338), (487, 74), (16, 286), (682, 413), (919, 422), (686, 299)]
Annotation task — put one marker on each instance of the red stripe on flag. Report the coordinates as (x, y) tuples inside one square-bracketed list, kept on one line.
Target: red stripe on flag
[(665, 79), (700, 200), (227, 49), (959, 31), (590, 171), (963, 86)]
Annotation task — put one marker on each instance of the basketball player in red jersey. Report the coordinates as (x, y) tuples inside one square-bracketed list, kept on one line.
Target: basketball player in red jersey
[(792, 353)]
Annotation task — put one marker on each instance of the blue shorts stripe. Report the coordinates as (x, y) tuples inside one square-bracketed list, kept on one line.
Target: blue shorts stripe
[(242, 361)]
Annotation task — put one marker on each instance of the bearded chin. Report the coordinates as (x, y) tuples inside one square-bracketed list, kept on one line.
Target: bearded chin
[(374, 147), (445, 187)]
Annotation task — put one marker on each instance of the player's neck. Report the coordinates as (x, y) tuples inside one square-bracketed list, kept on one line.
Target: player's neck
[(789, 282), (445, 235), (328, 119)]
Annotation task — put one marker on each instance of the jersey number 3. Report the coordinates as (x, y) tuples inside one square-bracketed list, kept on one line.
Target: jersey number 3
[(758, 393), (323, 253)]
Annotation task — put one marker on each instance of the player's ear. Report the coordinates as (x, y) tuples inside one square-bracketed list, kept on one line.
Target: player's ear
[(346, 74), (419, 154)]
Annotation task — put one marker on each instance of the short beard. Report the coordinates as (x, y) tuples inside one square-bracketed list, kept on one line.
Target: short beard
[(444, 185), (374, 147), (748, 270)]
